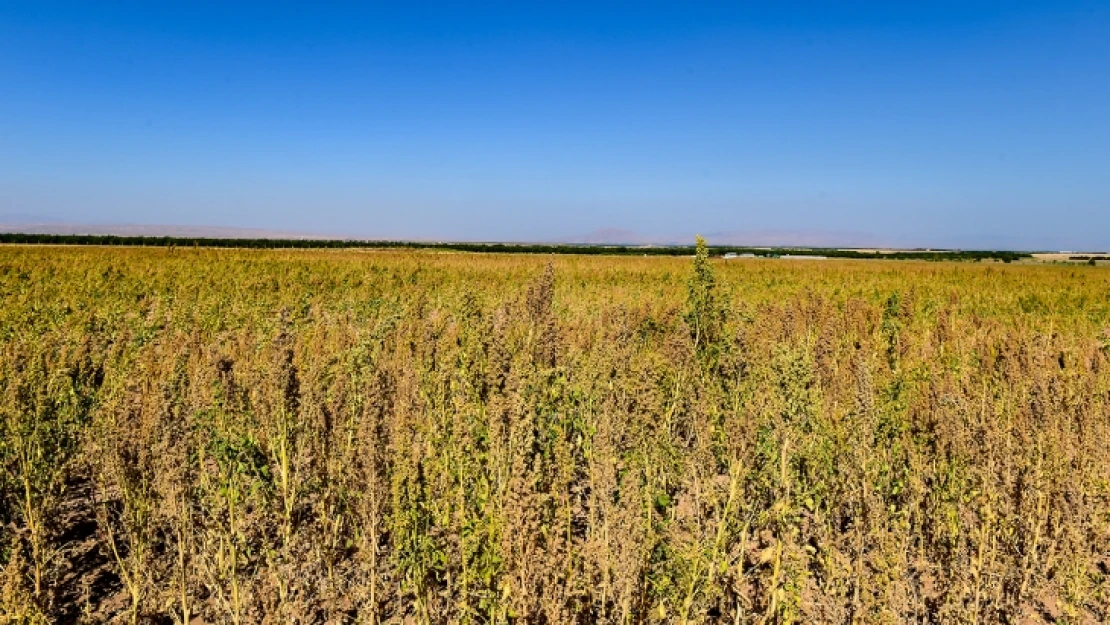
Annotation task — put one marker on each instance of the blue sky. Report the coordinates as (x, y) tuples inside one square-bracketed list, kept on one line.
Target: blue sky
[(930, 123)]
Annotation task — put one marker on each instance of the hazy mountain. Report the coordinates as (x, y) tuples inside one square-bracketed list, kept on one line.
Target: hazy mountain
[(41, 224), (752, 238)]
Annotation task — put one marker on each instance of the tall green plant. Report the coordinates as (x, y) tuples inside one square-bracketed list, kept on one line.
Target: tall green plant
[(703, 307)]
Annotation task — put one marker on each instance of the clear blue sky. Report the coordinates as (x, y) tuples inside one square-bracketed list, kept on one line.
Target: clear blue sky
[(932, 123)]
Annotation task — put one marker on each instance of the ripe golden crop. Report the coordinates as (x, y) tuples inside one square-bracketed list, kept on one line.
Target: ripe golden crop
[(366, 436)]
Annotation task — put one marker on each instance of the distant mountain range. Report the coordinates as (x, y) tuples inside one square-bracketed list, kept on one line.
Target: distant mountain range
[(814, 238), (746, 238)]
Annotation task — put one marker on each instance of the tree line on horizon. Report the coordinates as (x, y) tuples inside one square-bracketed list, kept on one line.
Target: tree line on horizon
[(506, 248)]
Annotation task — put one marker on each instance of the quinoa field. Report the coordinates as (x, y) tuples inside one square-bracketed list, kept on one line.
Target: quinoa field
[(388, 436)]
